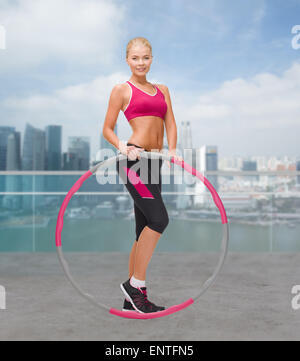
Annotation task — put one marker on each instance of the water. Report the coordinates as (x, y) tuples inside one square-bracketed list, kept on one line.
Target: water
[(99, 235), (24, 229)]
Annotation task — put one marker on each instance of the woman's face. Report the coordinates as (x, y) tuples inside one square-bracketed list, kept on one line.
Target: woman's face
[(139, 59)]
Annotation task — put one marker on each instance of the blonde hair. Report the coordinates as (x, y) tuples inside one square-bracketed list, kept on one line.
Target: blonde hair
[(138, 40)]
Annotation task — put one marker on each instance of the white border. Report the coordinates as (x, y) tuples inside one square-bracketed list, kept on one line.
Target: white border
[(151, 95), (129, 99)]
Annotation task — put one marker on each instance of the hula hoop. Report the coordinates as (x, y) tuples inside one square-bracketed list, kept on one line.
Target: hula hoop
[(133, 314)]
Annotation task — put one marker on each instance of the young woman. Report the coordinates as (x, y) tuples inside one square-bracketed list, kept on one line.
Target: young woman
[(148, 109)]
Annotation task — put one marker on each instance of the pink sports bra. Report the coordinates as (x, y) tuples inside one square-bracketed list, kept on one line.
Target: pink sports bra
[(142, 103)]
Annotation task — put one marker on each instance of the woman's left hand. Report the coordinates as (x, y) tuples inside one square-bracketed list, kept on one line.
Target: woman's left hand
[(176, 157)]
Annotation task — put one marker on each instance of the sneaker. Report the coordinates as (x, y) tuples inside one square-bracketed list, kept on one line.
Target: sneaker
[(159, 308), (138, 298), (127, 306)]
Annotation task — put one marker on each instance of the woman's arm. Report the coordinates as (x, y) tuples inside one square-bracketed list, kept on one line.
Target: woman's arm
[(114, 107), (171, 128)]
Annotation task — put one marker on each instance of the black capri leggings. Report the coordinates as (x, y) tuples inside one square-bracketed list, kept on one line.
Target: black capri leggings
[(142, 178)]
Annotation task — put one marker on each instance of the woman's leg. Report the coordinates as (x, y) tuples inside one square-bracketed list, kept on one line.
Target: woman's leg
[(153, 209), (147, 198), (146, 247), (148, 238), (144, 250), (132, 259), (140, 223)]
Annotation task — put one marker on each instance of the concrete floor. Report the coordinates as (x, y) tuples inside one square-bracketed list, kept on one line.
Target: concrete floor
[(251, 299)]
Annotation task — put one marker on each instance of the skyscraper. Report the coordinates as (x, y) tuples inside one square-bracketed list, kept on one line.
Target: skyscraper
[(184, 181), (208, 162), (13, 183), (185, 135), (33, 158), (33, 149), (53, 147), (13, 155), (250, 165), (4, 133), (80, 147)]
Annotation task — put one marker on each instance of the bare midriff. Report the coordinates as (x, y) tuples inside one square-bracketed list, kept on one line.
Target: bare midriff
[(147, 131)]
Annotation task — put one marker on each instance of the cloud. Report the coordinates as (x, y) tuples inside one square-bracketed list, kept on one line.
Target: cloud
[(260, 115), (263, 102), (80, 32), (80, 109), (257, 115)]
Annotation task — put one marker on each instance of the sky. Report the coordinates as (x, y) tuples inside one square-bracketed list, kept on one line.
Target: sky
[(230, 67)]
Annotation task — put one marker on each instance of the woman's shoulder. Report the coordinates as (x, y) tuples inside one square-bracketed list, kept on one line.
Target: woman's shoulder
[(120, 89), (163, 88), (120, 86)]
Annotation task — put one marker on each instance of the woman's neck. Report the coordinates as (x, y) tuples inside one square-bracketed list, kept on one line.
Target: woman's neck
[(139, 80)]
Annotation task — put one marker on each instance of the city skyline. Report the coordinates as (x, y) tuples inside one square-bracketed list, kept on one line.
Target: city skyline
[(236, 82), (47, 145), (246, 197)]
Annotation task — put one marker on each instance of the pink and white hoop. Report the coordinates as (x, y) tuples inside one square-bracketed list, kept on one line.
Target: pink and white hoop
[(172, 309)]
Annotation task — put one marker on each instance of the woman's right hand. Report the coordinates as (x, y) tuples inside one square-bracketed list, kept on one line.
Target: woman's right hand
[(130, 151)]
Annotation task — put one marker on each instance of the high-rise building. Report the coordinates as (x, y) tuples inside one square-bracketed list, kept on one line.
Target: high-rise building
[(53, 147), (34, 149), (80, 146), (53, 135), (70, 161), (13, 183), (185, 181), (186, 135), (4, 133), (208, 162), (13, 156), (250, 165), (33, 158), (186, 145)]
